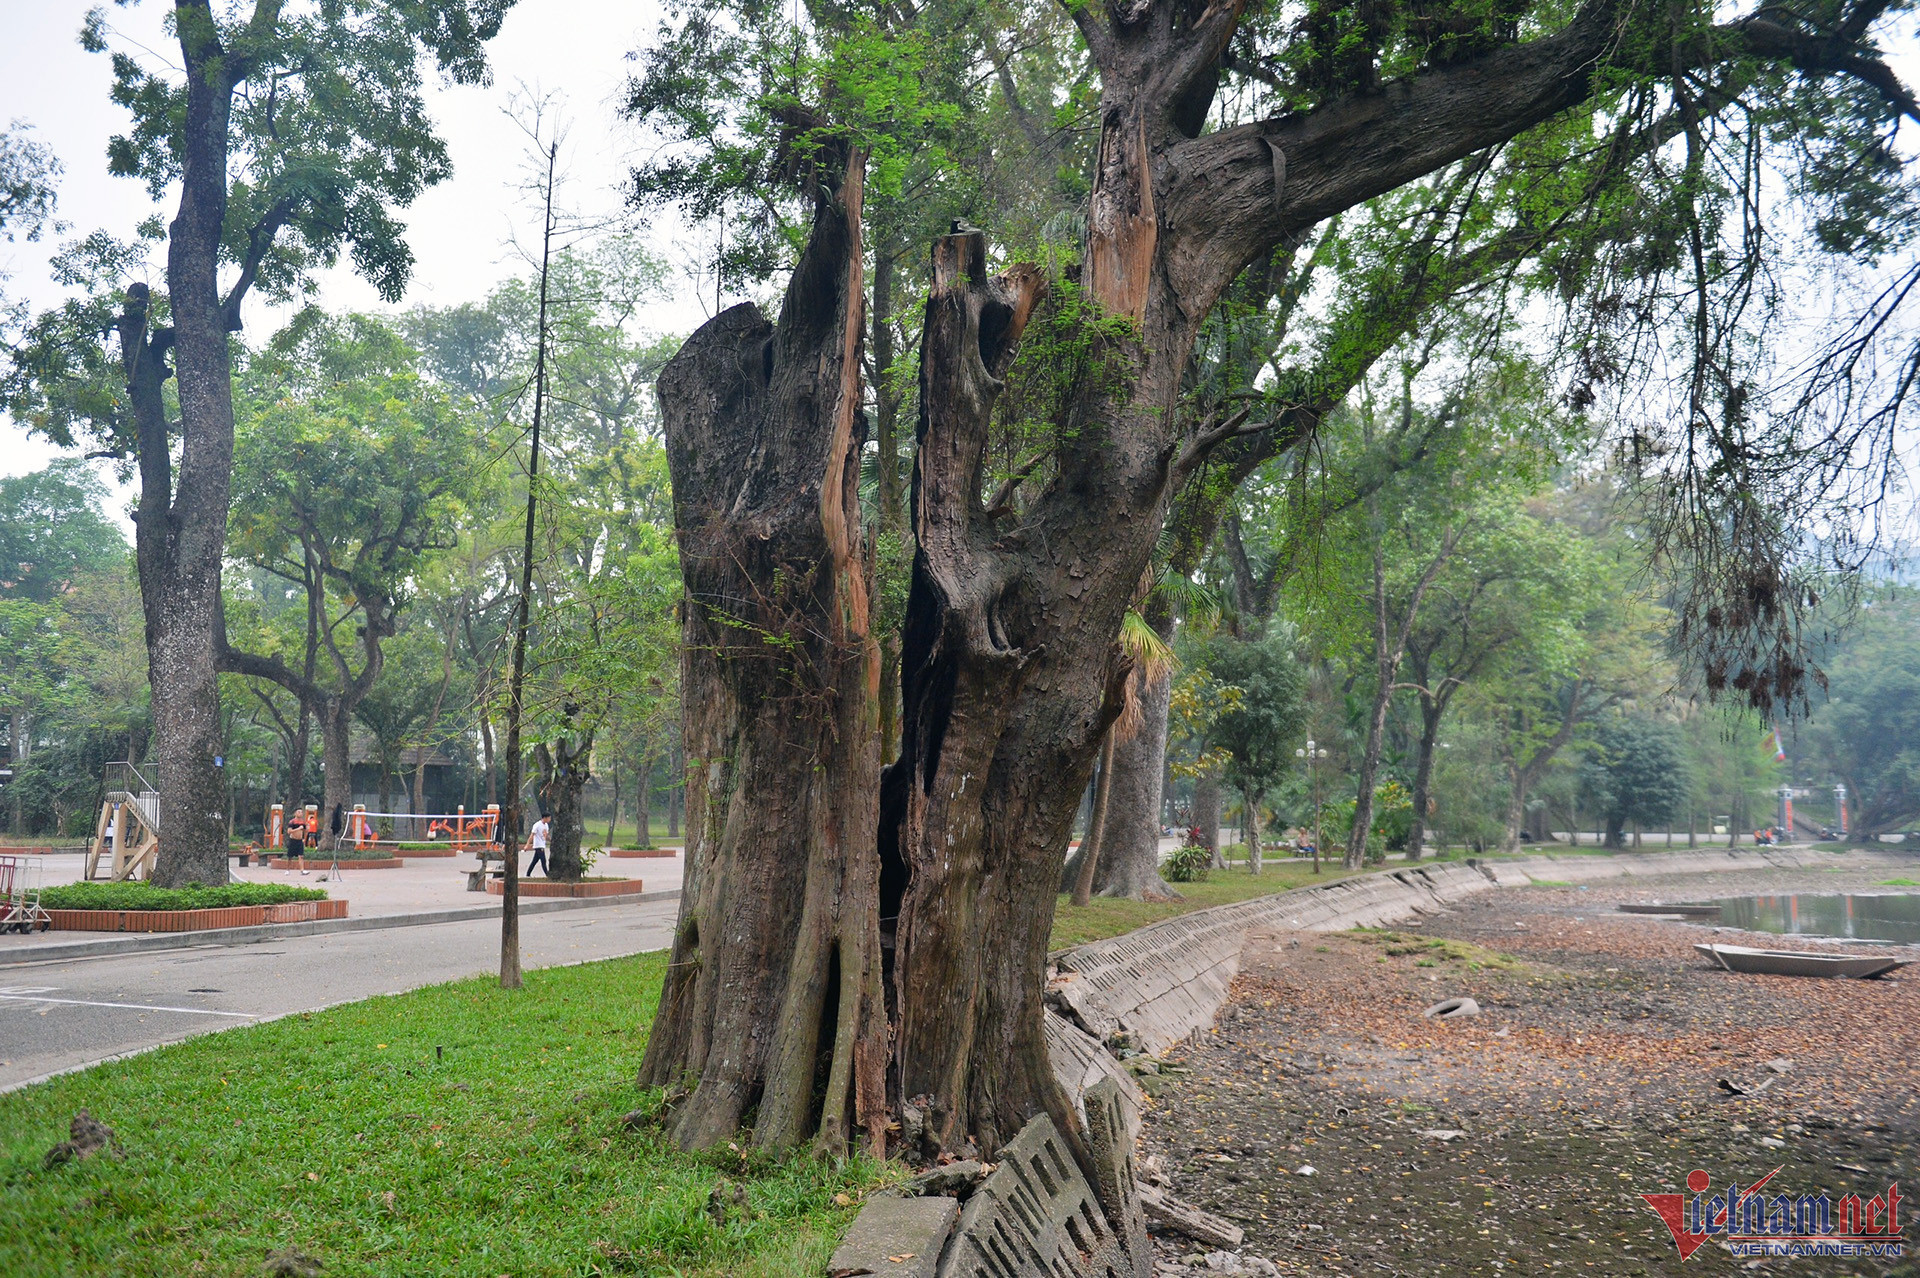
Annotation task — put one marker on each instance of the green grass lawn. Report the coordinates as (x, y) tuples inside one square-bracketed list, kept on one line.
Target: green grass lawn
[(344, 1134), (1103, 917), (627, 835)]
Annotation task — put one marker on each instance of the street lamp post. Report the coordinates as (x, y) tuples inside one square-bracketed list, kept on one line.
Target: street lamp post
[(1310, 752)]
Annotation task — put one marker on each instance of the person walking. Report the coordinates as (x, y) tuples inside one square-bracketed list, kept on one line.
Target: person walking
[(297, 838), (538, 842)]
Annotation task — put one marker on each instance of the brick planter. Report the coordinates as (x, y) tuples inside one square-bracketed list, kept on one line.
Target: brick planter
[(407, 854), (543, 887), (627, 853), (195, 920), (323, 862)]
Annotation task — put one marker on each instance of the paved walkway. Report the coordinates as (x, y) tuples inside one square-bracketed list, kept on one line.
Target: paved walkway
[(64, 1014), (419, 885)]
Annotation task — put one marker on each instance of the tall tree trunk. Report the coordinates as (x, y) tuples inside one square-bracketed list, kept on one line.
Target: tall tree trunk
[(486, 754), (1130, 845), (613, 816), (1098, 826), (1431, 708), (180, 527), (1250, 804), (773, 995), (643, 802), (564, 772), (336, 737)]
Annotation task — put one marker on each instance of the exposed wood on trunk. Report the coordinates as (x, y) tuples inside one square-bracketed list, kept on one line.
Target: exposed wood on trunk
[(772, 1006)]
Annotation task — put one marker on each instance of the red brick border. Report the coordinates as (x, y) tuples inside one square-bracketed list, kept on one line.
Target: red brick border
[(541, 887), (195, 920), (625, 853), (322, 861)]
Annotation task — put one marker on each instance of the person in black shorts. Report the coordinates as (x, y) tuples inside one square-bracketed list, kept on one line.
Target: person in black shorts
[(297, 839)]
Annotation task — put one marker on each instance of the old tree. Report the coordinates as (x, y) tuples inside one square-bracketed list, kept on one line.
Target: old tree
[(290, 131), (854, 942)]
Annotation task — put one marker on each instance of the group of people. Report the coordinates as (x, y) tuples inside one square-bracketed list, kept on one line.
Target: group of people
[(300, 834)]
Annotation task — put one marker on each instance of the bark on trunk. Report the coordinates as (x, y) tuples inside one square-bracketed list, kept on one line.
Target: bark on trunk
[(772, 1005), (564, 772), (676, 788), (1129, 864), (1250, 804)]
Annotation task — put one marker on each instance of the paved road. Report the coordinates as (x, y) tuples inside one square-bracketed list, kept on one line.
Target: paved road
[(64, 1014)]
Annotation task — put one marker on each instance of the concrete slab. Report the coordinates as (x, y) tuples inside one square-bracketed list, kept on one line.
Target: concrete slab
[(897, 1237)]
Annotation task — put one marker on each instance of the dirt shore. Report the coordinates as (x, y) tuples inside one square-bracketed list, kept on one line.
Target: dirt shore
[(1593, 1074)]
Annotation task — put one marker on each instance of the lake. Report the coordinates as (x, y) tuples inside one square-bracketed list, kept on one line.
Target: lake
[(1892, 917)]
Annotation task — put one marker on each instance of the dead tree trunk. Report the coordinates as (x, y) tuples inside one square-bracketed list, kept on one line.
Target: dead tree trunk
[(772, 1006)]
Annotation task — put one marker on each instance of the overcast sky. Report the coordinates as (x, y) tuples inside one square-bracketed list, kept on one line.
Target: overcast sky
[(459, 230)]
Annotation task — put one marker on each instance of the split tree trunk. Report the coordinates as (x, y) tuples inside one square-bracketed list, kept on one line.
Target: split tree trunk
[(772, 1005)]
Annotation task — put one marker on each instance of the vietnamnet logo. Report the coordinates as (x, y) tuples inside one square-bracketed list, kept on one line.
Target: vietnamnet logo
[(1751, 1223)]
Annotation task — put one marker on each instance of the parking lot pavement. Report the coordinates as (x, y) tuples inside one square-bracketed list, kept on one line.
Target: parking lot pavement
[(62, 1015)]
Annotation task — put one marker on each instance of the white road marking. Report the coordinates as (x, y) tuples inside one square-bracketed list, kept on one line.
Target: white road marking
[(131, 1007)]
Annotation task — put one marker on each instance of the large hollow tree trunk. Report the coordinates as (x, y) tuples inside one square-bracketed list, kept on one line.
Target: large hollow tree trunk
[(772, 1005), (1129, 864)]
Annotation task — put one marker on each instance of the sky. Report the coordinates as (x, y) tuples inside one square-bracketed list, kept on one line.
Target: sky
[(460, 231)]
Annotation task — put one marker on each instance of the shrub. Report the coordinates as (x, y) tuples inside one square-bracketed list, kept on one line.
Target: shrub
[(144, 896), (1188, 864)]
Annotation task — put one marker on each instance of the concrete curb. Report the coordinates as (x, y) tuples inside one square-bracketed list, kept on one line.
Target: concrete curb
[(144, 942)]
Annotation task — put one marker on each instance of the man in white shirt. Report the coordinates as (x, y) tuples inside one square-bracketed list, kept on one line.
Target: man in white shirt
[(538, 842)]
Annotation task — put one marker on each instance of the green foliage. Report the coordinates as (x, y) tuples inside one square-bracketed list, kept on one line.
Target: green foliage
[(330, 130), (1259, 734), (1189, 863), (1637, 773), (29, 172), (1867, 734), (52, 532), (143, 896)]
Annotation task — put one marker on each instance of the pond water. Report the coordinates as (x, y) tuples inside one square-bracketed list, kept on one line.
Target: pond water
[(1892, 917)]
